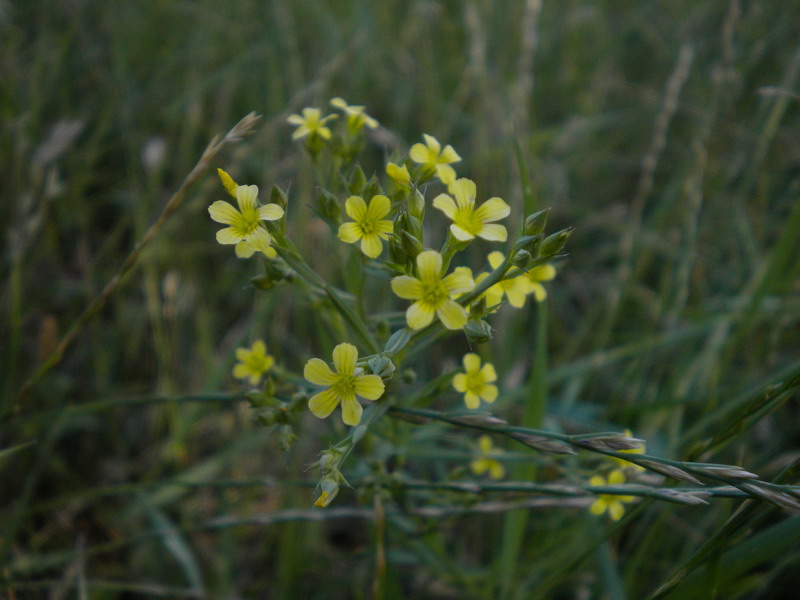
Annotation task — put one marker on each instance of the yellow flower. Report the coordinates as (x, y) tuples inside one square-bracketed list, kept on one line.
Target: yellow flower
[(469, 221), (485, 462), (244, 225), (368, 224), (342, 386), (516, 288), (608, 502), (399, 175), (629, 465), (476, 382), (537, 275), (310, 124), (253, 363), (356, 117), (433, 293), (435, 160)]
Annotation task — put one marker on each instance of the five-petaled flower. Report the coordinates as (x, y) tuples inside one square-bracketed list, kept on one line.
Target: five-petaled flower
[(476, 382), (244, 225), (434, 160), (310, 124), (342, 386), (356, 117), (433, 293), (538, 274), (515, 288), (486, 460), (469, 221), (608, 502), (368, 224), (253, 363)]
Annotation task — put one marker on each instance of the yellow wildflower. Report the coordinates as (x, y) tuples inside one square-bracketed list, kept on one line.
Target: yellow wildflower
[(486, 461), (253, 362), (476, 382), (434, 160), (342, 386), (356, 117), (538, 274), (608, 502), (433, 293), (399, 175), (469, 221), (515, 289), (629, 465), (310, 124), (368, 224), (244, 225)]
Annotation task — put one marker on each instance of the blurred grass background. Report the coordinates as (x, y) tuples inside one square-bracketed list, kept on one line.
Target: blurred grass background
[(666, 132)]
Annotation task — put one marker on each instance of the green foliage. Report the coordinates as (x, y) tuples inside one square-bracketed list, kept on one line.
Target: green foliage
[(133, 464)]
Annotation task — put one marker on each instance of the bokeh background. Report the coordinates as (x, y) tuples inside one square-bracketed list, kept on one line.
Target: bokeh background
[(666, 132)]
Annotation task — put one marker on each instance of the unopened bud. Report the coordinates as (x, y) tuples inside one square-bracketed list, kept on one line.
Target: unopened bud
[(531, 243), (328, 205), (372, 188), (478, 332), (228, 183), (535, 223), (358, 180), (411, 245), (287, 438), (329, 488), (556, 242), (381, 366), (522, 259), (416, 205), (278, 196)]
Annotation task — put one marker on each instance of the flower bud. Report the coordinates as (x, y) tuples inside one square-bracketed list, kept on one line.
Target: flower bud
[(228, 183), (328, 205), (358, 180), (522, 259), (381, 366), (329, 488), (416, 205), (556, 242), (278, 196), (478, 332), (536, 222)]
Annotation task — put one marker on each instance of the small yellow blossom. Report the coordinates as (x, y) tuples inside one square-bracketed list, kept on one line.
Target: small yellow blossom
[(310, 124), (342, 386), (368, 224), (244, 225), (486, 461), (476, 382), (515, 289), (538, 274), (433, 293), (253, 363), (629, 465), (469, 221), (227, 182), (435, 160), (356, 117), (399, 175), (608, 502)]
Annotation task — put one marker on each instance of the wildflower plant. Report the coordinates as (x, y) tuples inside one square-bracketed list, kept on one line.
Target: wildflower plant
[(404, 304)]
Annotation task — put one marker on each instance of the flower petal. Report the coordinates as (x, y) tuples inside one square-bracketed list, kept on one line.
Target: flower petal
[(496, 259), (432, 143), (459, 281), (449, 155), (246, 197), (538, 291), (446, 174), (429, 265), (485, 444), (597, 481), (462, 235), (616, 509), (471, 400), (541, 272), (516, 291), (419, 315), (356, 208), (598, 507), (489, 393), (384, 228), (259, 347), (379, 207), (460, 382), (420, 153), (472, 362), (350, 232), (371, 245), (351, 411), (496, 470), (259, 239), (295, 120), (479, 466), (488, 373), (241, 371), (244, 250), (270, 212), (407, 287), (345, 357), (493, 209), (321, 405), (616, 477), (370, 387), (464, 190), (445, 204), (223, 212), (493, 233), (453, 315), (318, 372), (228, 236)]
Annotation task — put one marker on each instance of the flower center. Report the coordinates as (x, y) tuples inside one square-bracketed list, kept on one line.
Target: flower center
[(434, 293), (467, 219), (346, 386), (475, 382), (367, 227), (245, 223)]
